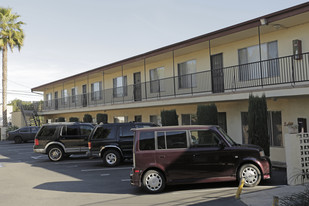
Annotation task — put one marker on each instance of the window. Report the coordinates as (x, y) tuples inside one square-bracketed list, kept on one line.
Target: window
[(204, 138), (120, 119), (24, 130), (249, 70), (154, 119), (156, 84), (64, 96), (138, 118), (222, 120), (74, 93), (106, 132), (34, 129), (275, 128), (274, 124), (146, 141), (120, 86), (96, 89), (47, 131), (48, 99), (70, 130), (186, 74), (188, 119)]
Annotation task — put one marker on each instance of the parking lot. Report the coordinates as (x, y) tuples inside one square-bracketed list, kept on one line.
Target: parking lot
[(28, 178)]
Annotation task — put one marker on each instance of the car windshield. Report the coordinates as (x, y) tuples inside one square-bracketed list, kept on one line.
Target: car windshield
[(227, 137)]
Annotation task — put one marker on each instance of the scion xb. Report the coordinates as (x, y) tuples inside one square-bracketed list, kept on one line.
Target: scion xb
[(193, 154)]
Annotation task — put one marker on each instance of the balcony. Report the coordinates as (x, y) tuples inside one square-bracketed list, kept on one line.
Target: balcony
[(263, 74)]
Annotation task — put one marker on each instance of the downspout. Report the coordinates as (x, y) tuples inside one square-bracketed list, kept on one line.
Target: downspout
[(260, 50), (174, 73), (145, 78)]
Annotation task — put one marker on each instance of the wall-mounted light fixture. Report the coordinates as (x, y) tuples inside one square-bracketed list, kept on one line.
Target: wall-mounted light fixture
[(263, 21)]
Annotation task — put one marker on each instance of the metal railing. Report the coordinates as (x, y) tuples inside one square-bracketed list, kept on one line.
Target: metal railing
[(278, 71)]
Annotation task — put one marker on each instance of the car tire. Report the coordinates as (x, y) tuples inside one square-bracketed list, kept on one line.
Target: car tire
[(251, 175), (55, 153), (18, 140), (153, 181), (111, 158)]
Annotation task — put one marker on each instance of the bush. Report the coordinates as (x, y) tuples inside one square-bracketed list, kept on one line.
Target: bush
[(102, 118), (257, 122), (87, 118), (169, 118), (61, 119), (73, 119), (207, 114)]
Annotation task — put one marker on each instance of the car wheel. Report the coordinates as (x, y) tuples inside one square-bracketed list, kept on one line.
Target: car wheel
[(111, 158), (153, 181), (251, 175), (55, 153), (18, 140)]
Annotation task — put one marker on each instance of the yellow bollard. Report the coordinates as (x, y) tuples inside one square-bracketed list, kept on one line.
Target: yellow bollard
[(276, 201), (241, 185)]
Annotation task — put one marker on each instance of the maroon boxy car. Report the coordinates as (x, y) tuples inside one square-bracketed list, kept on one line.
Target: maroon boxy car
[(193, 154)]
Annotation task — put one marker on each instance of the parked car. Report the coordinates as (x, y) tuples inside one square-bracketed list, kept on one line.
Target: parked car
[(114, 142), (62, 139), (193, 154), (23, 134)]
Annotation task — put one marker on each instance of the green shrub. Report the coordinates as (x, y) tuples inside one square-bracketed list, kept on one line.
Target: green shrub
[(73, 119), (207, 114), (102, 118), (87, 118), (61, 119), (169, 118), (257, 122)]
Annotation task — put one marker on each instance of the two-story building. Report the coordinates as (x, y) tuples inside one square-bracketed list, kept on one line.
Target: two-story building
[(266, 55)]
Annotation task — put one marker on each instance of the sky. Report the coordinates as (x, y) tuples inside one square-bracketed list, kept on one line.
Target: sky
[(67, 37)]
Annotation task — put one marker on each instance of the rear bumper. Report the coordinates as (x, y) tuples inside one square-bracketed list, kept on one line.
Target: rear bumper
[(135, 177), (266, 167)]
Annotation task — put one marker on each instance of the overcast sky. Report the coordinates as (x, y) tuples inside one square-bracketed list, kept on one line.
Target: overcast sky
[(66, 37)]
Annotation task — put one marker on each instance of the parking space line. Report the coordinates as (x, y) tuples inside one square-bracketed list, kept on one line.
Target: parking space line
[(75, 162), (106, 169), (125, 180)]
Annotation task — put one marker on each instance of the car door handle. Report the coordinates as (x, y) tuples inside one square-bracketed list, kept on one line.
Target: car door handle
[(162, 156), (196, 155)]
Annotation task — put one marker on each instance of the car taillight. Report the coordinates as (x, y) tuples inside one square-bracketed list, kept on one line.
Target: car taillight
[(36, 142), (89, 145)]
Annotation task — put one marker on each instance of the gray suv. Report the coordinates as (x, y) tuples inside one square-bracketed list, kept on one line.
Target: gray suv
[(62, 139)]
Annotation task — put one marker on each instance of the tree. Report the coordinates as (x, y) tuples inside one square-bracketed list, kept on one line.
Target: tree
[(11, 35), (257, 122), (61, 119), (169, 118), (73, 119), (207, 114)]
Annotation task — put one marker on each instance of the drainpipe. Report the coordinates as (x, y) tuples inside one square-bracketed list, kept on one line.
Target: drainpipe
[(174, 73), (260, 50), (145, 78)]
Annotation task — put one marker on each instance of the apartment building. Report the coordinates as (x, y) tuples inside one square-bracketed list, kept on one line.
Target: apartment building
[(266, 55)]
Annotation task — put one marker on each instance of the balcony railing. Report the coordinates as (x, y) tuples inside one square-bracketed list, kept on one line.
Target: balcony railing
[(283, 70)]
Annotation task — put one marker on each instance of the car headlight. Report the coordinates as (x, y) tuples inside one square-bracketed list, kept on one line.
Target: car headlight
[(262, 154)]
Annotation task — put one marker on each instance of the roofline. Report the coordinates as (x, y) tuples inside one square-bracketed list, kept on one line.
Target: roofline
[(285, 13)]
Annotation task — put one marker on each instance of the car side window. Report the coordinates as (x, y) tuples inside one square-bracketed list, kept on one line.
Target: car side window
[(172, 140), (24, 130), (34, 129), (146, 141), (106, 132), (125, 131), (204, 138), (70, 130), (47, 131), (85, 130)]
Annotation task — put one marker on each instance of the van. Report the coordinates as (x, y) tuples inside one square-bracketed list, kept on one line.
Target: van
[(193, 154), (114, 142)]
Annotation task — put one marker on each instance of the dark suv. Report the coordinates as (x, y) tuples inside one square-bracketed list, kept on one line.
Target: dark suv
[(114, 142), (62, 139)]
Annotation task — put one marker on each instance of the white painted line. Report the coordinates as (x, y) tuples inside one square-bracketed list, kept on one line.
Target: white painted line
[(106, 169), (125, 180), (103, 175), (76, 162), (36, 157), (0, 165)]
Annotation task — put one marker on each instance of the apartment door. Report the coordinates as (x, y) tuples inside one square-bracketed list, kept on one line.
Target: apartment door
[(217, 75), (56, 100), (137, 87), (84, 96)]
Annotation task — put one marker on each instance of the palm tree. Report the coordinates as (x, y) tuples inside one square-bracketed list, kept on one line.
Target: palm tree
[(11, 35)]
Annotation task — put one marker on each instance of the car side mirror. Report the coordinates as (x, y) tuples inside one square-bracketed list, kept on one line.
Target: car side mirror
[(221, 145)]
